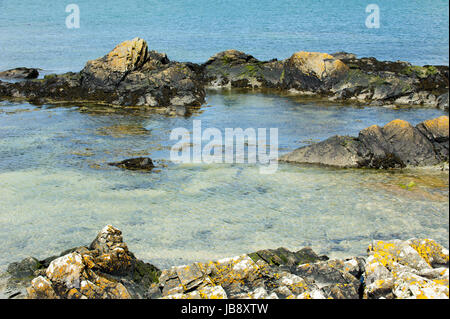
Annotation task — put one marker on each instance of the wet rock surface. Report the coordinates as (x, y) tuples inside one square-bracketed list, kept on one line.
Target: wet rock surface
[(133, 75), (396, 145), (416, 268)]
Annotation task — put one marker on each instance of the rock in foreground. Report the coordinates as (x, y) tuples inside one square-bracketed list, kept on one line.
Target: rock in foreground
[(417, 268), (104, 269), (396, 145)]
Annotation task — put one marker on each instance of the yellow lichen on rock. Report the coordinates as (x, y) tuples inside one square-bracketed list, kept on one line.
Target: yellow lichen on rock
[(318, 64), (398, 123), (66, 270), (439, 126), (404, 269), (126, 56), (430, 251), (41, 288)]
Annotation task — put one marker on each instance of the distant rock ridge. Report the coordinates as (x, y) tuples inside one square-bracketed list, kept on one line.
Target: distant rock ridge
[(20, 73), (132, 75), (396, 145), (416, 268)]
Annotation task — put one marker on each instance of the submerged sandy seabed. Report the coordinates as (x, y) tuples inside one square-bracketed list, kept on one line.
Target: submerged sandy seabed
[(57, 191)]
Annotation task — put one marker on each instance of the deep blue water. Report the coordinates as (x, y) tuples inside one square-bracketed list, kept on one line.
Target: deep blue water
[(34, 34)]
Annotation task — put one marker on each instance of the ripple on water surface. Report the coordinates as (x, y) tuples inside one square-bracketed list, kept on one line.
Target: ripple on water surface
[(57, 192)]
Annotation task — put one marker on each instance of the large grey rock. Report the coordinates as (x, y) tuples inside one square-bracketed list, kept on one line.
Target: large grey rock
[(398, 144)]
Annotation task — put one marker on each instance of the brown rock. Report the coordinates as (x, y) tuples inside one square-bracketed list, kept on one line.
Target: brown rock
[(321, 65)]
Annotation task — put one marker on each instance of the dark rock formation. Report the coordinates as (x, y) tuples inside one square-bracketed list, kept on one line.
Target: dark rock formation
[(130, 75), (339, 77), (20, 73), (139, 163), (396, 145)]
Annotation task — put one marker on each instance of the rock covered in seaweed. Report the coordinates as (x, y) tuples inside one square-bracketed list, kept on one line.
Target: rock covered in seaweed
[(132, 75), (398, 144)]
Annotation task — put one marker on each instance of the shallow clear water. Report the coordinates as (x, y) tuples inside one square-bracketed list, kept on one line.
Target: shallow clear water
[(57, 190), (34, 34)]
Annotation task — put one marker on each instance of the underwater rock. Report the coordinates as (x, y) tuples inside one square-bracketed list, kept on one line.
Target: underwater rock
[(139, 163), (20, 73), (396, 145)]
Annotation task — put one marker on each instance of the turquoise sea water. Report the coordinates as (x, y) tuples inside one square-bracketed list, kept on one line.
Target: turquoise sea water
[(33, 33), (56, 190)]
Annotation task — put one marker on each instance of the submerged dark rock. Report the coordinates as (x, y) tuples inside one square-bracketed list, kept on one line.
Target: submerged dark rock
[(20, 73), (396, 145), (139, 163)]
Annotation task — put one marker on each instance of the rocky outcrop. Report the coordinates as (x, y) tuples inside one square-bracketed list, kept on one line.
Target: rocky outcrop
[(338, 77), (104, 269), (130, 75), (139, 163), (416, 268), (396, 145), (20, 73)]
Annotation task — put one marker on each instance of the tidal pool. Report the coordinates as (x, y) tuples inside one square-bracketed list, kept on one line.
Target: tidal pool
[(57, 191)]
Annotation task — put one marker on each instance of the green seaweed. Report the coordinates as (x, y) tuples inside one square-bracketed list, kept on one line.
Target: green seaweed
[(420, 71), (409, 186)]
